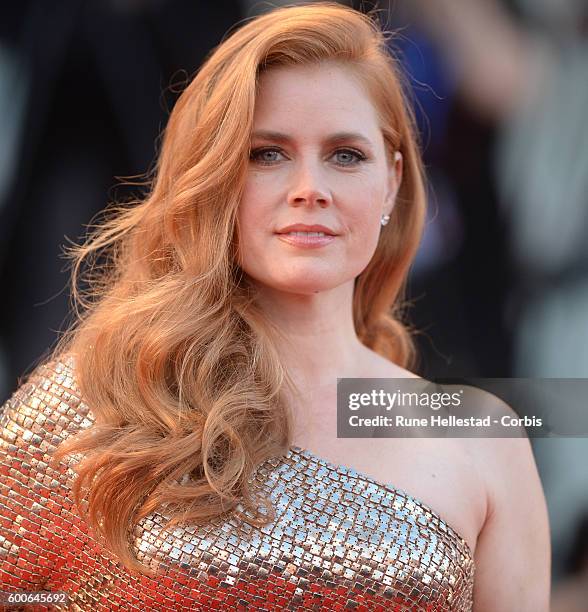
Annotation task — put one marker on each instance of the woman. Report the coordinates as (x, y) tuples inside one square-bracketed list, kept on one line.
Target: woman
[(193, 405)]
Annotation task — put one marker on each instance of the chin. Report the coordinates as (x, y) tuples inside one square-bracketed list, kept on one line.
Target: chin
[(304, 284)]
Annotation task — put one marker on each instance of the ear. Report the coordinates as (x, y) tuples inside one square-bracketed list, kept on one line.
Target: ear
[(394, 181)]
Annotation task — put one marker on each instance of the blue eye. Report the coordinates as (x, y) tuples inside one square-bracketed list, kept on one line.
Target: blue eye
[(266, 156), (259, 155), (356, 156)]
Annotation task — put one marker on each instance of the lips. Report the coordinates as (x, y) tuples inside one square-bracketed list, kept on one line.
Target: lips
[(306, 238), (301, 227)]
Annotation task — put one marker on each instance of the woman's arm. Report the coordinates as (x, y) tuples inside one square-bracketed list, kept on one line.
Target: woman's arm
[(513, 553)]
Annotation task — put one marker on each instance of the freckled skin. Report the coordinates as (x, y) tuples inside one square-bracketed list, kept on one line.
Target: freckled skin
[(311, 180)]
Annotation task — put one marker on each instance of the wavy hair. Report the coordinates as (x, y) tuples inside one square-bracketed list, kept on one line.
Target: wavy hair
[(172, 354)]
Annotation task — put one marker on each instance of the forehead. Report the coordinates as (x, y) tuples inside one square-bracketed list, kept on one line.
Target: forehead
[(328, 95)]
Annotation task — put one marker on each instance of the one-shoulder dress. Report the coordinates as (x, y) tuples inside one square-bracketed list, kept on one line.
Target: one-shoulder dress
[(340, 539)]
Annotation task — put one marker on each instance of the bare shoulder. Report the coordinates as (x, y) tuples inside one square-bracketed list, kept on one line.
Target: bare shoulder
[(504, 462), (495, 455), (514, 540)]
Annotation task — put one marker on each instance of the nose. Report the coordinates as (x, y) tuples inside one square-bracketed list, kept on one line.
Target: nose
[(309, 187)]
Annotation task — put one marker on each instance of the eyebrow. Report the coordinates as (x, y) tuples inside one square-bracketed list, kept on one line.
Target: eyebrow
[(332, 139)]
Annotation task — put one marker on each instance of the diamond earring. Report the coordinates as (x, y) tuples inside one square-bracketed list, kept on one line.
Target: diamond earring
[(384, 220)]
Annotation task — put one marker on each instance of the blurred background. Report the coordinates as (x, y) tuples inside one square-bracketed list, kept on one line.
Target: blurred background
[(500, 88)]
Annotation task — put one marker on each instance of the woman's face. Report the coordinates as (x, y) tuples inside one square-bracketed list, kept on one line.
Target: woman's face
[(317, 158)]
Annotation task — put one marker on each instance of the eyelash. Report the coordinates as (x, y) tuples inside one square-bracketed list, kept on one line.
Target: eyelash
[(358, 154)]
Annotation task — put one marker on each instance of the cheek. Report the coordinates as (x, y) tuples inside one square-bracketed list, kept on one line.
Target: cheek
[(363, 218), (249, 242), (261, 187), (254, 219), (364, 227), (256, 209)]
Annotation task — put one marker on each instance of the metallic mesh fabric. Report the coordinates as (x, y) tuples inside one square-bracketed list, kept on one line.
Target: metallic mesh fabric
[(341, 540)]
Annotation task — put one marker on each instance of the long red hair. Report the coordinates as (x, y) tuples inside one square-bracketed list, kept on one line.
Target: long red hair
[(172, 354)]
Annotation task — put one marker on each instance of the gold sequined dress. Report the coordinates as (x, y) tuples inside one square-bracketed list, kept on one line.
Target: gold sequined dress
[(340, 541)]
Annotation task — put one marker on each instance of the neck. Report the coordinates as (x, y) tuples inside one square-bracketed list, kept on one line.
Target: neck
[(317, 341)]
